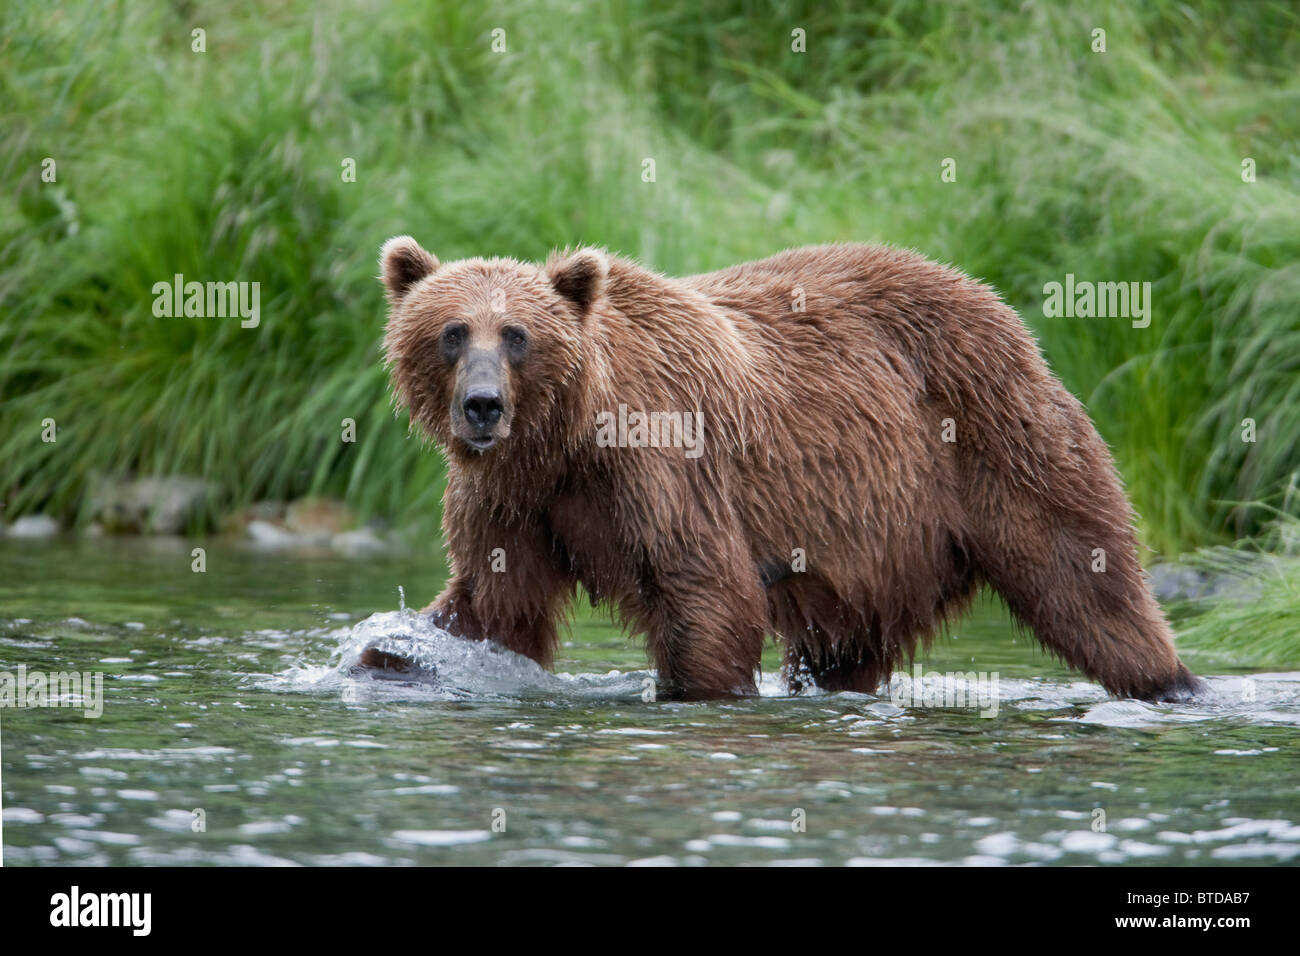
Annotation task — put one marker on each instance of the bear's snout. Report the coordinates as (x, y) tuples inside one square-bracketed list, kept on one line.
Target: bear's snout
[(482, 408)]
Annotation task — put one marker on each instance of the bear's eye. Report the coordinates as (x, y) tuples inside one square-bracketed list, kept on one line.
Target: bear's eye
[(453, 337), (516, 340)]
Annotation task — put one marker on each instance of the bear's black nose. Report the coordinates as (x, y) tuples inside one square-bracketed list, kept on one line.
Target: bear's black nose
[(483, 408)]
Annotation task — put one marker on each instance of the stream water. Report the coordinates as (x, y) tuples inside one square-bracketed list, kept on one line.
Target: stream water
[(234, 732)]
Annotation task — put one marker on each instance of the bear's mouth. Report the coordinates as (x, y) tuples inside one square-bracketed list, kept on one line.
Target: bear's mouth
[(481, 443)]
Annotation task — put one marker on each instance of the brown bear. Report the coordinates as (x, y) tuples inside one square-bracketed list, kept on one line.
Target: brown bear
[(836, 445)]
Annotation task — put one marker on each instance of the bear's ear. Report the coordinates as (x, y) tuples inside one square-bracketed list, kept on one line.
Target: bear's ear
[(404, 263), (580, 278)]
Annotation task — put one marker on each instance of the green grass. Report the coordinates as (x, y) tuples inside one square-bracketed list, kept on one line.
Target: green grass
[(1122, 166), (1257, 621)]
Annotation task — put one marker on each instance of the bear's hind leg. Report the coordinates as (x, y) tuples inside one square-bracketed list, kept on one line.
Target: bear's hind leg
[(827, 641), (1065, 561), (852, 665)]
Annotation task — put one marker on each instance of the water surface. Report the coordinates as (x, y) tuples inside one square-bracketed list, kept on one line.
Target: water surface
[(231, 692)]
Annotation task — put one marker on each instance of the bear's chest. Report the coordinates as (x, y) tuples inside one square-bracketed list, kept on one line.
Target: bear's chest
[(588, 545)]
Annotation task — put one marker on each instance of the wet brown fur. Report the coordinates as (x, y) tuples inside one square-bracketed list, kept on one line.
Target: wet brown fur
[(823, 431)]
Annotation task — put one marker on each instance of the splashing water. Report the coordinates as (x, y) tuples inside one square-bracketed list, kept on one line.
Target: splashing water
[(446, 667)]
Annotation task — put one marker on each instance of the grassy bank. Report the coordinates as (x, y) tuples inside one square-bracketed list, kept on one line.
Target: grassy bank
[(1253, 619), (227, 166)]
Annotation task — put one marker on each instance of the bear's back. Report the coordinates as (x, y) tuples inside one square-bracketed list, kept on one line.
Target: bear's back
[(843, 280)]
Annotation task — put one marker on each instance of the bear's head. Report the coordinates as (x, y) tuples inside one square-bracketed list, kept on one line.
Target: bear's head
[(481, 350)]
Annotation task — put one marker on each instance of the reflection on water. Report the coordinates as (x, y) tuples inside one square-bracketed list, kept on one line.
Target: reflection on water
[(235, 731)]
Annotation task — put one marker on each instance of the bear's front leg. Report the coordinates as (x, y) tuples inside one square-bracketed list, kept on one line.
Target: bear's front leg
[(478, 611), (506, 589), (519, 617), (453, 610), (704, 615), (508, 584)]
